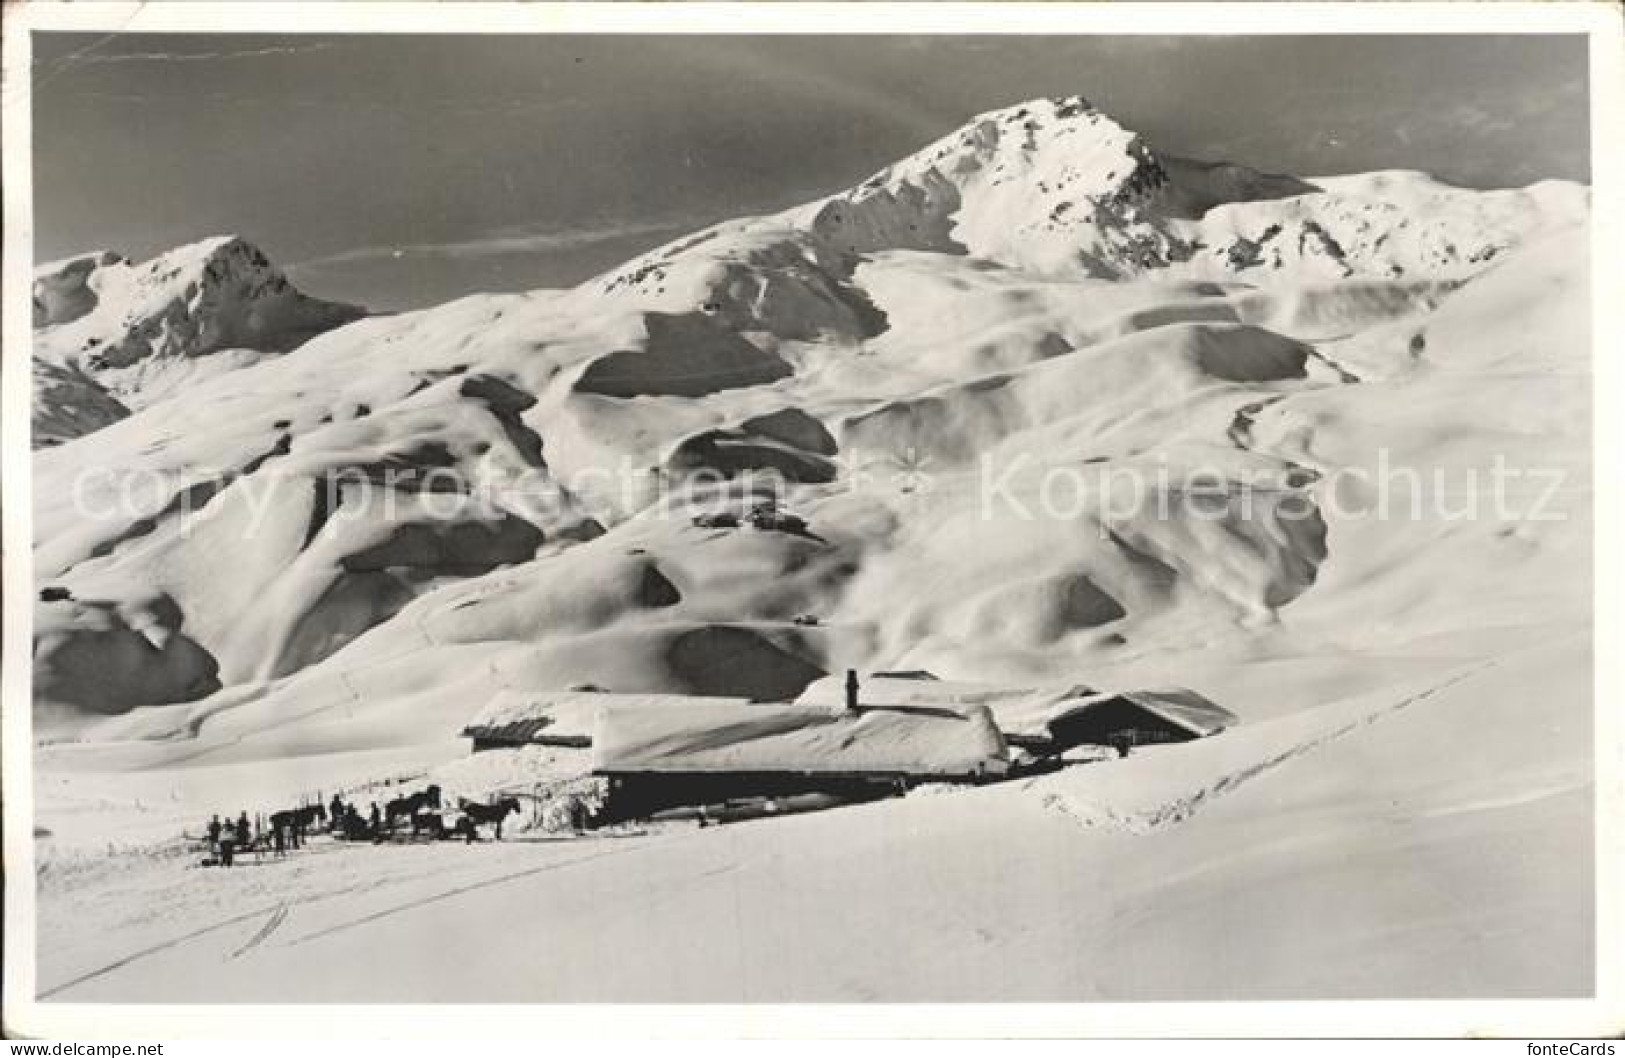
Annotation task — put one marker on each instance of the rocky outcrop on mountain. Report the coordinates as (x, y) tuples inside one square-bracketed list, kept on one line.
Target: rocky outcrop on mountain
[(69, 403)]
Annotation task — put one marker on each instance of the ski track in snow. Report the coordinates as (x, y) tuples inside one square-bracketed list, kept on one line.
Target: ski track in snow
[(154, 949), (483, 883), (1092, 814), (272, 924), (277, 915)]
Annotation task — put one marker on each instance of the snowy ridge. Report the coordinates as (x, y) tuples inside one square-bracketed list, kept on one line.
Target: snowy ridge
[(141, 330), (1056, 187)]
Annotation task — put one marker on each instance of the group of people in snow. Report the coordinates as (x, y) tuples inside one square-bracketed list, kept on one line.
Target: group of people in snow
[(277, 833), (225, 839)]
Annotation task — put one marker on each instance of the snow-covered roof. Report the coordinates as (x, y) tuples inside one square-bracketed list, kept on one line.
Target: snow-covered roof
[(1022, 711), (799, 738), (907, 689), (561, 717), (1179, 706)]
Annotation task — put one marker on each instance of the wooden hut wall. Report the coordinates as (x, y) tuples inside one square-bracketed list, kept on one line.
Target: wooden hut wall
[(636, 795), (1110, 720)]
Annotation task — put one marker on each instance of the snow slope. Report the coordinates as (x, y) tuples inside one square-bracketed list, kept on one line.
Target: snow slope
[(1038, 408)]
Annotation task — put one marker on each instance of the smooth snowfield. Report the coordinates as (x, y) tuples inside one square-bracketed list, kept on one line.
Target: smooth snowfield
[(1039, 409)]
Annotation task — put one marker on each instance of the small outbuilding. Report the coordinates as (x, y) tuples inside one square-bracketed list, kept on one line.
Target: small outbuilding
[(557, 718), (710, 754), (1136, 718), (1046, 719)]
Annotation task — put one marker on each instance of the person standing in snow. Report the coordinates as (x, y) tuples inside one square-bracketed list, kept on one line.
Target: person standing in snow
[(278, 841), (214, 834)]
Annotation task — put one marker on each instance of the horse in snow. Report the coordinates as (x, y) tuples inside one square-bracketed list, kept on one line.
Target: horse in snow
[(410, 805), (495, 812), (297, 820)]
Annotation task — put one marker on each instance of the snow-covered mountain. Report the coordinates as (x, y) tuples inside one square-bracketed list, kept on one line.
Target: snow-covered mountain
[(1057, 188), (1037, 405), (138, 332), (1039, 288)]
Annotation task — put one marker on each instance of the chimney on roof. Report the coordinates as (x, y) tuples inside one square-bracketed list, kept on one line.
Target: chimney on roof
[(851, 690)]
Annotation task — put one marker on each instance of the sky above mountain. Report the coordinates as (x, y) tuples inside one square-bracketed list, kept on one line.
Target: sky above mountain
[(401, 171)]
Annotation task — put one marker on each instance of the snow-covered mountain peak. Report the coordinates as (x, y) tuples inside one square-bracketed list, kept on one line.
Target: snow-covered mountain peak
[(137, 328), (1056, 147), (69, 289), (219, 260), (62, 290), (1058, 188), (1034, 185)]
